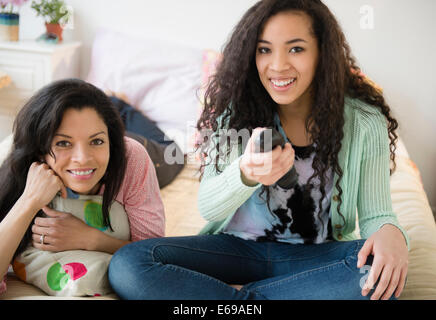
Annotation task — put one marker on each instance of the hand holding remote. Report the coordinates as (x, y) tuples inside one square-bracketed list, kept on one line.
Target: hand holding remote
[(265, 167), (289, 180)]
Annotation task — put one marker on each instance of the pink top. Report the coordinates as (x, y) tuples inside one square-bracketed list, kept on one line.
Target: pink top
[(140, 196)]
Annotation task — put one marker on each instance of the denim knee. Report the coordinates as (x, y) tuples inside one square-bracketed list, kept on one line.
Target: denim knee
[(126, 264)]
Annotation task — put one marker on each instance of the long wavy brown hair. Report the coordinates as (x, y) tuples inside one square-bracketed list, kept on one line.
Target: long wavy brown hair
[(236, 95)]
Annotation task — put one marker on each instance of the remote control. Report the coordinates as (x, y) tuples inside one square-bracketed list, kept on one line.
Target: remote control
[(289, 180)]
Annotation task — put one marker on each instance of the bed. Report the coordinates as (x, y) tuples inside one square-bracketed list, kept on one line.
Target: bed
[(176, 113)]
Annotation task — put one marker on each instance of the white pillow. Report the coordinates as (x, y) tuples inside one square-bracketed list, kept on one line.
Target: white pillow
[(160, 79)]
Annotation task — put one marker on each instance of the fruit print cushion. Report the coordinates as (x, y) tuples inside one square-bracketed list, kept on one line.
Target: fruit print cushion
[(75, 272)]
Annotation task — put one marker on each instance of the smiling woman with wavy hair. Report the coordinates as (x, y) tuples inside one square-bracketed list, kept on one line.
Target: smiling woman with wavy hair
[(73, 188), (288, 67)]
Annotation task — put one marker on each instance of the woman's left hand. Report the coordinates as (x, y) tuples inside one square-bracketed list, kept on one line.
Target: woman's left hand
[(62, 231), (390, 262)]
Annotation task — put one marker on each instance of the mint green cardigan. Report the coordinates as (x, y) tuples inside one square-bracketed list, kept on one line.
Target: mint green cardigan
[(364, 159)]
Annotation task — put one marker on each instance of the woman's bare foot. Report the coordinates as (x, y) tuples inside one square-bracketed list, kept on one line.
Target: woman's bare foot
[(119, 95), (236, 286)]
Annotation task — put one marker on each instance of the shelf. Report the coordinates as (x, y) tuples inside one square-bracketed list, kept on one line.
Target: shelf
[(36, 46)]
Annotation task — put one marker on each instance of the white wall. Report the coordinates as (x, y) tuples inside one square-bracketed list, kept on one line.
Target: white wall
[(398, 52)]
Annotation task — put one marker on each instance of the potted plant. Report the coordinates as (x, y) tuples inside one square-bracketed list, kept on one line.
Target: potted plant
[(9, 19), (55, 13)]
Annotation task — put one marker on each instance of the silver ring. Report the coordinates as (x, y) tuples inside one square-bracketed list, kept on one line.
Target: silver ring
[(41, 238)]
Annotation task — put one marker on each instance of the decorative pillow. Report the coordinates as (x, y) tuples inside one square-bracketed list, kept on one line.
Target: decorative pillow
[(74, 273), (160, 79), (61, 273)]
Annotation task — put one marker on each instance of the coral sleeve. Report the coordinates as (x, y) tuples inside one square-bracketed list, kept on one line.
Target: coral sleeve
[(140, 194)]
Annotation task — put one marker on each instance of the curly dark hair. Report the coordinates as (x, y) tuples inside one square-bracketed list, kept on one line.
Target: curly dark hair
[(236, 94), (34, 129)]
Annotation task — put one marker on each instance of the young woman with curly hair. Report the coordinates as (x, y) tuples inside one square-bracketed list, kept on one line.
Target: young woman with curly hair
[(287, 66)]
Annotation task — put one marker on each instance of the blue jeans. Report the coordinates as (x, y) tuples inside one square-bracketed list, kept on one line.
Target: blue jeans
[(201, 267)]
